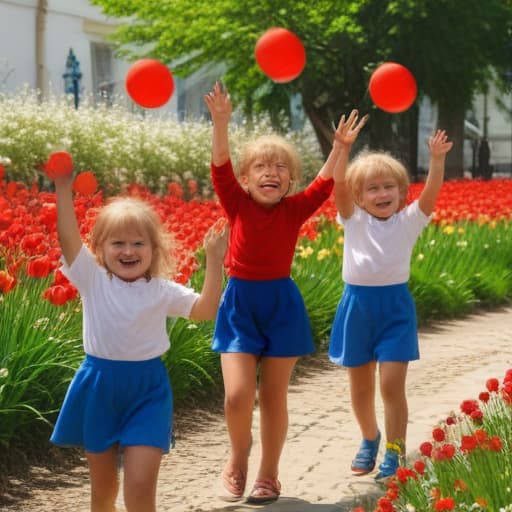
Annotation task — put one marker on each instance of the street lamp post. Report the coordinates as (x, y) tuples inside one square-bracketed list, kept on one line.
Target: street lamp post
[(72, 77)]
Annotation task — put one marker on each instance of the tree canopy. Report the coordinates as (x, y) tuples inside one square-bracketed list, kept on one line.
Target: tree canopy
[(453, 47)]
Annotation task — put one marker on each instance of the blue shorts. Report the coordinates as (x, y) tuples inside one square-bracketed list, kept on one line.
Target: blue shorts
[(264, 318), (374, 323), (109, 402)]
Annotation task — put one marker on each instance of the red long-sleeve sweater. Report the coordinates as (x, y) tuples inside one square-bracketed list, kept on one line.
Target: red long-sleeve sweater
[(262, 240)]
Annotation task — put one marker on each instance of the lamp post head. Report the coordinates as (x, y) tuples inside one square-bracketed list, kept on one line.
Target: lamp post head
[(72, 76)]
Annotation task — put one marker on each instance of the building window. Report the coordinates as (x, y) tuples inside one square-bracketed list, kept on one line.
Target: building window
[(102, 60)]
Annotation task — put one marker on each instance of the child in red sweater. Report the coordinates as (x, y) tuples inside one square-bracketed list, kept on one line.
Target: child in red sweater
[(262, 321)]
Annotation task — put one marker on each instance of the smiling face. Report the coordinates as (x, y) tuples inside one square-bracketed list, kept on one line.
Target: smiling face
[(267, 181), (129, 240), (127, 254), (379, 183), (269, 169), (380, 196)]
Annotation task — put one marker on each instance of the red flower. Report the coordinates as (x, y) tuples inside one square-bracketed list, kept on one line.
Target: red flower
[(419, 466), (480, 436), (7, 282), (468, 443), (495, 444), (2, 172), (451, 420), (385, 505), (57, 295), (438, 434), (477, 416), (468, 406), (445, 504), (460, 485), (492, 384), (484, 397), (403, 473), (426, 449), (39, 267), (175, 189)]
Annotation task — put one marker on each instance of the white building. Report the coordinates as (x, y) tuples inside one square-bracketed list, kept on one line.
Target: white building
[(36, 37)]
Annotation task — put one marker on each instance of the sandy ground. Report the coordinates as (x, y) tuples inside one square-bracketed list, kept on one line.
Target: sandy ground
[(457, 357)]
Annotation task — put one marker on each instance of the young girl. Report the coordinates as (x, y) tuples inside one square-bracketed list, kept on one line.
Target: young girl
[(120, 399), (262, 322), (375, 322)]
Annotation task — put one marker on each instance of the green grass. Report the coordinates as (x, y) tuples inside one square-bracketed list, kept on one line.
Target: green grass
[(452, 273)]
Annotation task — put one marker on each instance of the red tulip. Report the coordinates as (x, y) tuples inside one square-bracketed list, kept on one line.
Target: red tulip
[(39, 267)]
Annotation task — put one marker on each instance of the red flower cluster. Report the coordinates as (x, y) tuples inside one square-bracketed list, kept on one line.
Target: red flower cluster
[(28, 237), (438, 450)]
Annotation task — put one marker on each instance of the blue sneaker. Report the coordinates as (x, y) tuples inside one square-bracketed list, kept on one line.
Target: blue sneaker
[(364, 461), (392, 460)]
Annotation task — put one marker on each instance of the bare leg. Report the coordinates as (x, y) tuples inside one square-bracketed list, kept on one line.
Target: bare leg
[(239, 374), (392, 387), (104, 479), (141, 466), (275, 373), (362, 394)]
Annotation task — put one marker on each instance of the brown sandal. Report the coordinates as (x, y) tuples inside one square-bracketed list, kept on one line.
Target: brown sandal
[(234, 483), (265, 490)]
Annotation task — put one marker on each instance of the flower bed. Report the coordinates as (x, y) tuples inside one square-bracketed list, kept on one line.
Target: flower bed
[(467, 465)]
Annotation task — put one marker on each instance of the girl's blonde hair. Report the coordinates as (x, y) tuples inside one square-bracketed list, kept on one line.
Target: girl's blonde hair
[(123, 213), (271, 148), (368, 164)]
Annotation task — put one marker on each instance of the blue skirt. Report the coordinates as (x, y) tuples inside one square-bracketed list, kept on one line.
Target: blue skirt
[(264, 318), (374, 323), (110, 402)]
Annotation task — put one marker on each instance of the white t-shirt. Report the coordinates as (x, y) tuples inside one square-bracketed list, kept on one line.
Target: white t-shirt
[(378, 252), (125, 320)]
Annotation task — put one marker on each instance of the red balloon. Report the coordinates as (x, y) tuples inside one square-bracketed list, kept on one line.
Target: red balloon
[(149, 83), (393, 87), (85, 183), (59, 163), (280, 54)]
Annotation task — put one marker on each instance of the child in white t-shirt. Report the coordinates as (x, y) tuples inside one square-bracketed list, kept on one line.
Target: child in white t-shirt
[(120, 398), (375, 322)]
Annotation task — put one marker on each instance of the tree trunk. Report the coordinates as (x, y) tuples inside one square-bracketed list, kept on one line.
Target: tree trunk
[(321, 127), (42, 7), (452, 120)]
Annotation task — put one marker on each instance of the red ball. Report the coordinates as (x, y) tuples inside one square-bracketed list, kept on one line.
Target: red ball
[(393, 87), (280, 54), (149, 83), (59, 163), (85, 183)]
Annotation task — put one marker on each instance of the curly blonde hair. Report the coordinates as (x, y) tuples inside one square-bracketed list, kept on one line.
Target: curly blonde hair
[(122, 213), (271, 148), (368, 164)]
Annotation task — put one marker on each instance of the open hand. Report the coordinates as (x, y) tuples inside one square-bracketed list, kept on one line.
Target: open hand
[(215, 240), (439, 144), (348, 129), (219, 104)]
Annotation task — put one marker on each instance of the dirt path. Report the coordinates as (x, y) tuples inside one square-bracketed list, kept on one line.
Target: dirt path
[(456, 359)]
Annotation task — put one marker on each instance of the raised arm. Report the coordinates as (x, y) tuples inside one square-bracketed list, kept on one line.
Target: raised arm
[(439, 146), (219, 105), (345, 135), (215, 245), (67, 224)]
